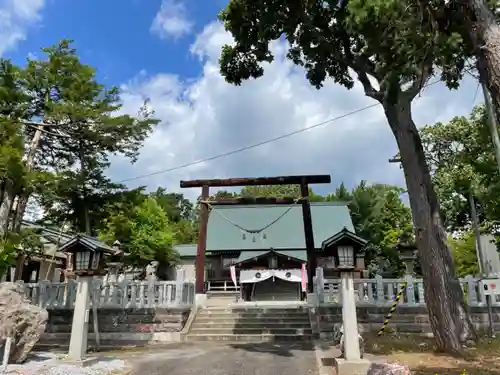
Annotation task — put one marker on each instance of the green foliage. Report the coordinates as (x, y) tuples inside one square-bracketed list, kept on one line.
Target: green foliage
[(384, 38), (85, 129), (63, 161), (12, 105), (175, 205), (464, 254), (26, 242), (144, 232), (461, 156), (276, 191), (7, 254), (168, 216), (181, 214)]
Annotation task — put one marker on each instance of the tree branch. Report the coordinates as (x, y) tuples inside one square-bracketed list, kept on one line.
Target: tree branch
[(370, 91), (420, 80), (362, 66), (38, 124)]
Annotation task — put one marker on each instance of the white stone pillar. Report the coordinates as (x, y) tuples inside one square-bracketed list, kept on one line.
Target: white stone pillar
[(352, 363), (179, 286), (80, 325), (349, 318)]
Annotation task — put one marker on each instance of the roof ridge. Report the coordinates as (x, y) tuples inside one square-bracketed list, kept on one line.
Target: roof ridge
[(256, 205)]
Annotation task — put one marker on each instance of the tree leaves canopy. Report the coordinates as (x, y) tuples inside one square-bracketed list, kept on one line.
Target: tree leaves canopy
[(461, 157), (143, 230), (382, 39)]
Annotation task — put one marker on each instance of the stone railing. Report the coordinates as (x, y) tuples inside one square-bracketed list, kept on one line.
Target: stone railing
[(379, 291), (125, 294), (221, 286)]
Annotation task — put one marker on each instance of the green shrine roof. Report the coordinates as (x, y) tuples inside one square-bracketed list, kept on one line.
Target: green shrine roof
[(251, 254), (287, 233), (188, 250)]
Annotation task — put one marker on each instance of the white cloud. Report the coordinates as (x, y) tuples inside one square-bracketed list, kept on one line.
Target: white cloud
[(16, 17), (172, 20), (205, 117)]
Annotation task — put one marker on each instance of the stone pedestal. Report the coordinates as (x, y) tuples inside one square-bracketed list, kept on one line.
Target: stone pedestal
[(352, 367), (200, 300), (312, 299), (80, 325)]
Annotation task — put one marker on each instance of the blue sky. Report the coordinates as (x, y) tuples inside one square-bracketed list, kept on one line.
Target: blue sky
[(116, 36), (168, 50)]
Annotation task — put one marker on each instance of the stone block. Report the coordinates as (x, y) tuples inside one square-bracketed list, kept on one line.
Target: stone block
[(85, 362), (200, 300), (388, 369), (352, 367), (20, 320)]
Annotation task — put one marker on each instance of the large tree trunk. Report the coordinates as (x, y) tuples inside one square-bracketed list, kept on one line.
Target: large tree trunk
[(484, 32), (8, 197), (22, 203), (448, 316)]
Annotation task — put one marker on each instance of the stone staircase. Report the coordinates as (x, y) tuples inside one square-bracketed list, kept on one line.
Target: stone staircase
[(219, 299), (255, 324)]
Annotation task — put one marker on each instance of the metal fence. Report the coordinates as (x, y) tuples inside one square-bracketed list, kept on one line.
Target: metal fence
[(125, 294)]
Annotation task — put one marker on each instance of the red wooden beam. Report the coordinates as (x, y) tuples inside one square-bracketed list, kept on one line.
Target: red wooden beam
[(252, 200), (202, 244), (282, 180), (309, 236)]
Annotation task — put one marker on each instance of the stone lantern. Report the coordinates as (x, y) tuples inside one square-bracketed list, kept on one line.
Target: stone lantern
[(115, 263), (87, 254), (408, 254)]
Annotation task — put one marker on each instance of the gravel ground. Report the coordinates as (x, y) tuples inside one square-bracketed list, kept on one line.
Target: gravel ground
[(42, 363)]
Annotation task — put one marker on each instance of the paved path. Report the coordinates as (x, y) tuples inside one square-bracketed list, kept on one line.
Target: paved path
[(227, 359)]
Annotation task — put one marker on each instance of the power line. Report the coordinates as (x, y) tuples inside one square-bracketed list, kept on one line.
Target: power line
[(270, 140)]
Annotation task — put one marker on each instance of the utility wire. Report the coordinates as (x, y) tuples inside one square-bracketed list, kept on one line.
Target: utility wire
[(270, 140)]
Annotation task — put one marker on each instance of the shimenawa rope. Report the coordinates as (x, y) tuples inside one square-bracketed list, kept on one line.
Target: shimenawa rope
[(252, 231)]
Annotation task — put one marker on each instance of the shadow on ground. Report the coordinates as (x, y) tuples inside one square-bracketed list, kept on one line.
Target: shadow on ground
[(281, 349)]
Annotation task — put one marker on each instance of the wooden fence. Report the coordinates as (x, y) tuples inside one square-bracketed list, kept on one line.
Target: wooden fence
[(125, 294)]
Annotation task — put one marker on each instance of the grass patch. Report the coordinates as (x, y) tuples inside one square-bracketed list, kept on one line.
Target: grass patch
[(419, 353)]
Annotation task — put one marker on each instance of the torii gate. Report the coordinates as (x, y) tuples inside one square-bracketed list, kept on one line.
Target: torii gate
[(304, 181)]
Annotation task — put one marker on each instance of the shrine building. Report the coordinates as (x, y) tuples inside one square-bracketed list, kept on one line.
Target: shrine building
[(266, 244)]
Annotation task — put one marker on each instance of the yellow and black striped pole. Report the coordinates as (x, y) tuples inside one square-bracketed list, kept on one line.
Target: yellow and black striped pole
[(393, 308)]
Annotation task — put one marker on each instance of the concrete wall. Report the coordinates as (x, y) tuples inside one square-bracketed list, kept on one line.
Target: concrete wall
[(406, 319), (118, 327)]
